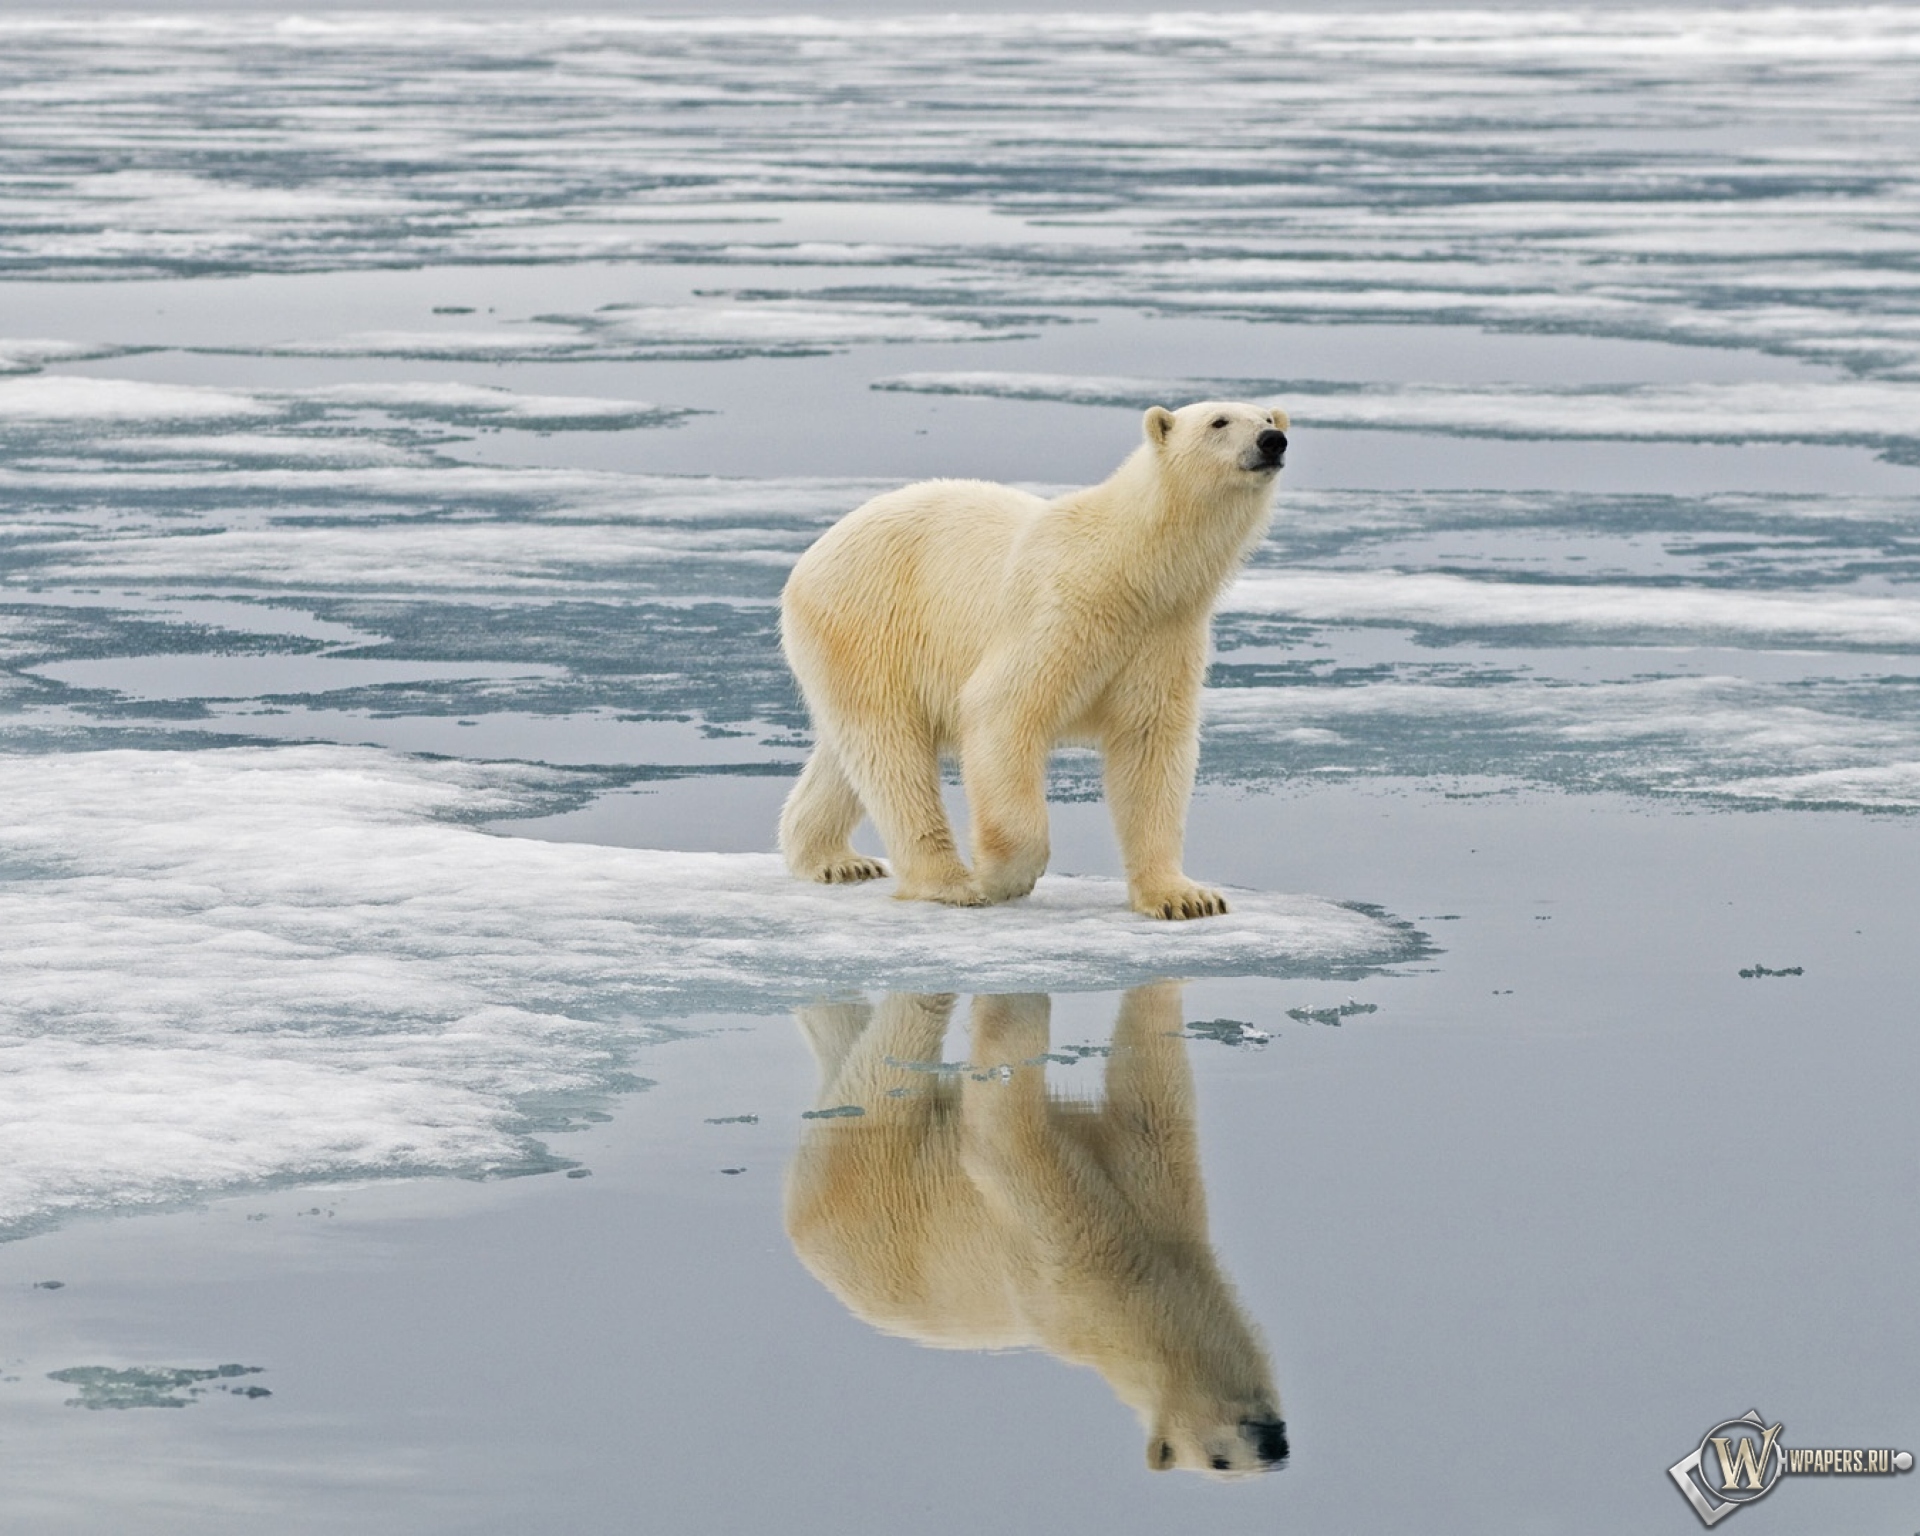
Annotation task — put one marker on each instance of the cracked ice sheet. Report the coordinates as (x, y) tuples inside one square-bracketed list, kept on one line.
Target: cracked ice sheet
[(275, 964), (1708, 174)]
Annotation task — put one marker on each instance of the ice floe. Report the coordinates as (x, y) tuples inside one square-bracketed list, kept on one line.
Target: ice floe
[(1432, 598), (45, 398), (62, 397), (230, 966), (771, 327), (1884, 414)]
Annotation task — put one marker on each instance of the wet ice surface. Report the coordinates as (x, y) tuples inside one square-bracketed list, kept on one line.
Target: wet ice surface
[(408, 424), (408, 991)]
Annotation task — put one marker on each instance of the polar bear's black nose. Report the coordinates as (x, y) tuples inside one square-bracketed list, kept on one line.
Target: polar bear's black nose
[(1272, 445), (1269, 1436)]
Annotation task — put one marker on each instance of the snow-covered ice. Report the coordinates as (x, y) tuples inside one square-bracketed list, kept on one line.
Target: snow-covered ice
[(317, 964)]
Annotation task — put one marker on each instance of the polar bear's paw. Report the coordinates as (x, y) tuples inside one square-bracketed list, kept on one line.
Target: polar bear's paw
[(1178, 899), (848, 869), (953, 890)]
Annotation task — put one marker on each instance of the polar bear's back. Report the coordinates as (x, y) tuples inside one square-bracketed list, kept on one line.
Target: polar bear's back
[(906, 590)]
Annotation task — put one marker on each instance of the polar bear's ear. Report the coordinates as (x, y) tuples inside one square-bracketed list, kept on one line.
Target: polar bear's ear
[(1159, 1454), (1158, 423)]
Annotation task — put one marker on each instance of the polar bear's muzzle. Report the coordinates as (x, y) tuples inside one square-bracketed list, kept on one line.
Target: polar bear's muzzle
[(1269, 1440), (1269, 451)]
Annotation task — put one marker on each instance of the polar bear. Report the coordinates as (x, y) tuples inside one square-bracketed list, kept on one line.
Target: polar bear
[(959, 616), (978, 1212)]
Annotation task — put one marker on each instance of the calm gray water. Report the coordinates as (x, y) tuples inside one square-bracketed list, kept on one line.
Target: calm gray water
[(409, 421)]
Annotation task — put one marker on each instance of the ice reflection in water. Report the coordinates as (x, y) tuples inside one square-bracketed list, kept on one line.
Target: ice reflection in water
[(968, 1208)]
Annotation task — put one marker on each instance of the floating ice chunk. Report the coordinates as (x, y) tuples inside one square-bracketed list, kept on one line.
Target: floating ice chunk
[(1332, 1014), (487, 556), (1435, 599), (772, 326), (44, 399), (26, 355), (103, 1386), (241, 965), (187, 676), (1888, 785), (452, 402), (241, 448), (1235, 1032), (60, 397), (1876, 412), (778, 324), (1072, 388), (1850, 411), (440, 345)]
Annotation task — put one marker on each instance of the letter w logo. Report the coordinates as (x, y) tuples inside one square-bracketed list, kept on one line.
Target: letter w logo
[(1743, 1461)]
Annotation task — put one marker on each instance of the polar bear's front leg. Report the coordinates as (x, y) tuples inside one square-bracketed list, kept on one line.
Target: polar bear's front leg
[(1151, 749), (1004, 764), (1011, 712), (896, 773)]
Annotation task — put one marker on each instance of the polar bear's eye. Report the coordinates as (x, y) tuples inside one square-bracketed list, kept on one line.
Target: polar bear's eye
[(1218, 422)]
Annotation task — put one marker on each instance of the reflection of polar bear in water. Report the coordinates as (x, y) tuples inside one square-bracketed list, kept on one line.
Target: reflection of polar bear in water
[(960, 616), (979, 1213)]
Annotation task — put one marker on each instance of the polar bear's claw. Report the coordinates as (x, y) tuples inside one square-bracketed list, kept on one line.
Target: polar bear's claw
[(850, 871), (1176, 906)]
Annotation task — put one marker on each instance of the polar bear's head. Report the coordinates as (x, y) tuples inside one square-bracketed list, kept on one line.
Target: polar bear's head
[(1216, 1438), (1224, 439), (1202, 1382)]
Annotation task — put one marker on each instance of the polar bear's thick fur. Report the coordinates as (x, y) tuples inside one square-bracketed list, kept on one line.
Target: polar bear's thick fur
[(959, 616), (977, 1212)]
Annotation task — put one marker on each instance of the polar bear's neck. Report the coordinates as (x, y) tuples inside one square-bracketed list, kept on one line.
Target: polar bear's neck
[(1188, 539), (1179, 1334)]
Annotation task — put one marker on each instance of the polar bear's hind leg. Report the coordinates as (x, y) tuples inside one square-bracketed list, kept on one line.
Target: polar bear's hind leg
[(818, 820)]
